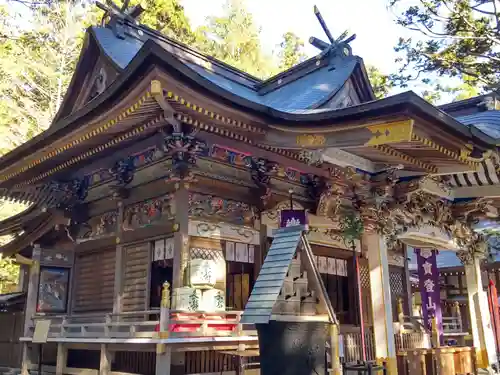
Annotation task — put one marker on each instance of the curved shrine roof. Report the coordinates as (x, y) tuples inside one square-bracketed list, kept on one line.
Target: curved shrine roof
[(312, 84), (488, 122)]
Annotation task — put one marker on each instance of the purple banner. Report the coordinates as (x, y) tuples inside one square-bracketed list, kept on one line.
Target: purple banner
[(428, 279), (290, 218)]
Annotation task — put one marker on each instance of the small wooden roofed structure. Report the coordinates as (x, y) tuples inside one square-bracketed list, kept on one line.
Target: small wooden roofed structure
[(288, 243)]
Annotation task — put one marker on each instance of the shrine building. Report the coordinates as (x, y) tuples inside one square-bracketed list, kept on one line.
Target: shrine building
[(158, 197)]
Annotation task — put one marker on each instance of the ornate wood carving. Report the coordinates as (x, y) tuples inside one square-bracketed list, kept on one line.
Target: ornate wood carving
[(391, 210), (150, 212), (123, 174), (184, 148), (99, 226), (216, 208), (261, 171), (99, 85), (68, 194)]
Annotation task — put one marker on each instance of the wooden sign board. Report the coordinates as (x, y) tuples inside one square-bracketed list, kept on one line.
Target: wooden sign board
[(42, 328)]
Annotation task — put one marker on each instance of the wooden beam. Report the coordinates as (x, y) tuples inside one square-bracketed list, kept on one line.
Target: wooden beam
[(181, 236), (259, 152), (489, 191), (119, 262), (61, 359), (105, 361), (34, 278)]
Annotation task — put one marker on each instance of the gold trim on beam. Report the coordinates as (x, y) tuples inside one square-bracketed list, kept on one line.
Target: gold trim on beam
[(407, 158), (452, 154), (95, 150), (213, 115), (224, 132), (126, 113), (392, 132)]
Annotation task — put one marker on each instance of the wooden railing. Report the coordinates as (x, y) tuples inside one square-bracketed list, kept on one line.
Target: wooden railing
[(412, 340), (352, 351), (452, 325), (144, 324)]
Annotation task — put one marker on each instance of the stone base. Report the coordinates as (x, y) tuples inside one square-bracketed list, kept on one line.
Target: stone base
[(296, 348)]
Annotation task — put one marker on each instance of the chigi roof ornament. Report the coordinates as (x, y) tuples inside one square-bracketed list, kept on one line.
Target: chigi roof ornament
[(339, 46), (115, 17)]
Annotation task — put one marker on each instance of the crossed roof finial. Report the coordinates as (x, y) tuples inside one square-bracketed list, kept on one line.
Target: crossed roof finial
[(117, 15), (342, 42)]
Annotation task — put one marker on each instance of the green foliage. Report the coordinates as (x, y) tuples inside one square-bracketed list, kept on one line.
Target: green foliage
[(459, 38), (36, 65), (352, 228), (9, 275), (291, 51), (235, 39), (380, 82), (168, 17)]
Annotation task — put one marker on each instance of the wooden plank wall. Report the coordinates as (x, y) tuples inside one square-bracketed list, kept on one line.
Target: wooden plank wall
[(135, 277), (11, 328), (94, 281)]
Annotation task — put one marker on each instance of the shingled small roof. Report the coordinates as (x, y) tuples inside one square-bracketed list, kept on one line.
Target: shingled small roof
[(286, 243)]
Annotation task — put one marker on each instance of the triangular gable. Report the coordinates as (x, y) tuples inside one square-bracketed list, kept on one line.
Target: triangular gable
[(289, 282), (93, 73)]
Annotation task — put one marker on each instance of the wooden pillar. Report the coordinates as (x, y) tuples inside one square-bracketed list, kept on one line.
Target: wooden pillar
[(163, 351), (119, 262), (407, 283), (181, 236), (34, 278), (383, 328), (105, 361), (480, 320), (62, 358), (180, 263), (29, 358)]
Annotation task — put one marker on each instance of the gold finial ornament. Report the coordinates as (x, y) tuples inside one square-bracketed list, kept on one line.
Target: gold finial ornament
[(165, 295)]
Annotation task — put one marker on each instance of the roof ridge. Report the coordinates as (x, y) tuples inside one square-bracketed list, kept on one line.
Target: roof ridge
[(157, 34), (316, 62)]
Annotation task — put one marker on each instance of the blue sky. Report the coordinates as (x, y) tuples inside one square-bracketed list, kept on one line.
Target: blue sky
[(370, 20)]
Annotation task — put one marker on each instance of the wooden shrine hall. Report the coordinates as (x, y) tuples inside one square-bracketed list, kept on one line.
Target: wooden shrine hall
[(155, 195)]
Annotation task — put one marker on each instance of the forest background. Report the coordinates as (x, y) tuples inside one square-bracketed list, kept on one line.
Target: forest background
[(454, 53)]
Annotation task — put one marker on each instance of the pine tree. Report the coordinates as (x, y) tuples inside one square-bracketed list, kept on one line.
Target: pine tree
[(235, 39), (456, 38)]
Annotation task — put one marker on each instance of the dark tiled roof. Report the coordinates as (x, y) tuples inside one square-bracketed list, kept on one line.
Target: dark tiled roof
[(488, 122), (12, 301), (308, 90)]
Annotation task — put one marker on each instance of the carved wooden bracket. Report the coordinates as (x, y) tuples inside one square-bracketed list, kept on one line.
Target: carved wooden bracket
[(184, 148)]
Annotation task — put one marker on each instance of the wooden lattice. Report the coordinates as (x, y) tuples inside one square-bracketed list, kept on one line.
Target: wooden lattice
[(396, 282), (204, 253), (364, 277)]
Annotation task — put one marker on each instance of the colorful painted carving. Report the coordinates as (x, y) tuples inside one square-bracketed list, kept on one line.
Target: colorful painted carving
[(147, 213), (99, 226), (147, 156), (231, 156), (209, 206)]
